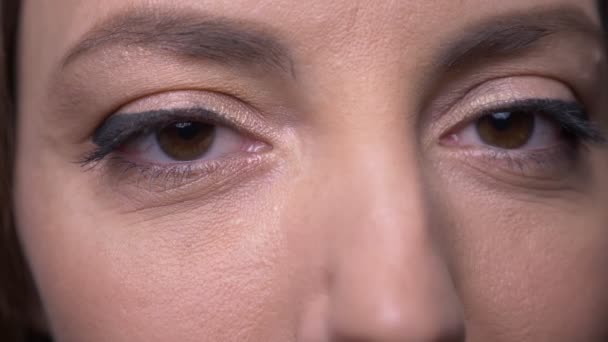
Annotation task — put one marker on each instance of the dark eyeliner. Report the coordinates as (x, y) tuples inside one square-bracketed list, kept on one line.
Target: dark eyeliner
[(120, 128), (570, 116)]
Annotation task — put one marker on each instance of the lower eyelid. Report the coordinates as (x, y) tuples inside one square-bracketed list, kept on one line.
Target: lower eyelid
[(207, 177), (556, 162)]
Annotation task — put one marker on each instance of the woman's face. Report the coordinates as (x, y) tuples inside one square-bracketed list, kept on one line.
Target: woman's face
[(314, 170)]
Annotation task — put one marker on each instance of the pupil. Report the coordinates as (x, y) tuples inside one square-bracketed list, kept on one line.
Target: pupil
[(187, 140), (501, 121), (188, 130), (506, 130)]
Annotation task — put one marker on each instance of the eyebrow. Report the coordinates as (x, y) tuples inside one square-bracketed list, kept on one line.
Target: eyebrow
[(514, 34), (206, 38)]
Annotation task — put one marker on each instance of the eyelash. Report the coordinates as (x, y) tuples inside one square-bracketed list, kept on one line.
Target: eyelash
[(571, 117)]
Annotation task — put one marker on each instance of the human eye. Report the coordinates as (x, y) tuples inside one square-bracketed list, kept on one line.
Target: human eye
[(533, 124), (539, 136), (184, 141)]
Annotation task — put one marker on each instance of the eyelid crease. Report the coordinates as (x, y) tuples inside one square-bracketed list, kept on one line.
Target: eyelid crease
[(121, 128)]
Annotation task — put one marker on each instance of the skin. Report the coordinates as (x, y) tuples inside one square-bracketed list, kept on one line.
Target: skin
[(356, 224)]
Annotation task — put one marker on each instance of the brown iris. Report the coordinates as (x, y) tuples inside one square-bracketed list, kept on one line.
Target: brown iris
[(186, 141), (507, 130)]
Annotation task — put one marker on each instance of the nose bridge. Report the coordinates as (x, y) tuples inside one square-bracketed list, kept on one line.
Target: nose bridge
[(387, 280), (378, 210)]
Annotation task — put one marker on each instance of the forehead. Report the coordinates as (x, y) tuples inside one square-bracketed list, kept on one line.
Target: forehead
[(352, 29), (61, 23)]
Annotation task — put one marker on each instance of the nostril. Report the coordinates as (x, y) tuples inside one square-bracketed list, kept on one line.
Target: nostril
[(431, 325), (388, 280), (392, 324), (455, 333)]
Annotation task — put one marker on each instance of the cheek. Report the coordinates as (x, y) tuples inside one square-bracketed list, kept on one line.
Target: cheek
[(172, 273), (527, 268)]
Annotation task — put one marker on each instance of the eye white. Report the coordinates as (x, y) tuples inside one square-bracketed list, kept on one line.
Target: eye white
[(545, 134), (225, 141)]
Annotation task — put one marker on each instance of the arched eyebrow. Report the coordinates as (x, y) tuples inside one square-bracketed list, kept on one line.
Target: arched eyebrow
[(513, 34), (210, 38)]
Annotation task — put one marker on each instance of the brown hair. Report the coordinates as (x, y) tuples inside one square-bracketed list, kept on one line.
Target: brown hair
[(16, 286)]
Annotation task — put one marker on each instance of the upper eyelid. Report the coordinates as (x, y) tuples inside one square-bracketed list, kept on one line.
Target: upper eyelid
[(476, 89), (130, 123), (544, 105), (241, 114), (459, 105), (567, 71)]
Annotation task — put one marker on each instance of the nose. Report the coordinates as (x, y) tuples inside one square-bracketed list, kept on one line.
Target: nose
[(388, 280)]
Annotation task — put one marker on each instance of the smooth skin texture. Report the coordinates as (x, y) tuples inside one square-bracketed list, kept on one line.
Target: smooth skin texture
[(355, 221)]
